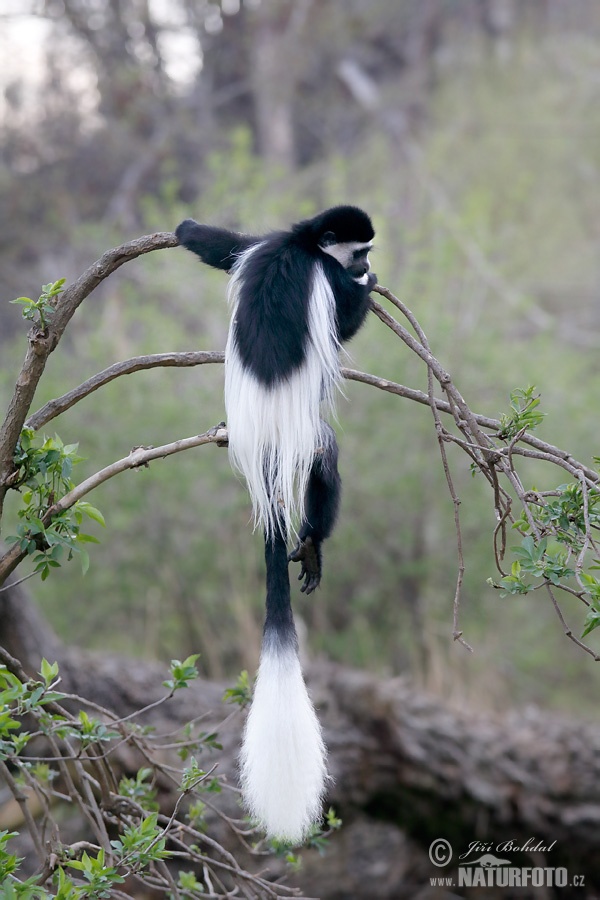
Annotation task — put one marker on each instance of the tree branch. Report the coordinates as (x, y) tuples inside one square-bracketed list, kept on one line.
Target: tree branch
[(139, 456), (56, 407)]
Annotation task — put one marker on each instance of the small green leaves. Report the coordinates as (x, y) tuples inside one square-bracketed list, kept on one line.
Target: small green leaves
[(140, 789), (534, 565), (592, 587), (93, 730), (241, 692), (44, 477), (562, 513), (189, 884), (592, 621), (523, 415), (195, 778), (196, 814), (566, 519), (41, 310), (9, 862), (203, 741), (192, 775), (317, 839), (182, 672), (48, 672), (141, 844), (100, 877), (318, 836)]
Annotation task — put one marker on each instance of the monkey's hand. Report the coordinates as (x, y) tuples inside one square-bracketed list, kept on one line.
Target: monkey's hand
[(309, 555), (190, 233), (372, 280)]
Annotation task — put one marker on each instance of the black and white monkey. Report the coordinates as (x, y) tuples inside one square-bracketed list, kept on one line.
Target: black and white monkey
[(295, 296)]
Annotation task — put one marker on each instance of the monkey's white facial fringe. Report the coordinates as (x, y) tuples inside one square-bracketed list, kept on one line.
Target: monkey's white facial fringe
[(283, 771), (274, 432), (343, 251)]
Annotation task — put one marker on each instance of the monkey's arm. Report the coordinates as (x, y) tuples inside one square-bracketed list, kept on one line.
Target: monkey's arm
[(216, 247), (351, 298)]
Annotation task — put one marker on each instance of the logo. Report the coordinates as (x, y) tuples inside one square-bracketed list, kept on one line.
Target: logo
[(487, 869), (487, 861), (440, 852)]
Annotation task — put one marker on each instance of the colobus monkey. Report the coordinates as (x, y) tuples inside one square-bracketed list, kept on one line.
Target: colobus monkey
[(295, 297)]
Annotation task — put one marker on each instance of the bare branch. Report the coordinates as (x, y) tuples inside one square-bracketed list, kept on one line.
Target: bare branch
[(56, 407), (22, 800), (140, 456)]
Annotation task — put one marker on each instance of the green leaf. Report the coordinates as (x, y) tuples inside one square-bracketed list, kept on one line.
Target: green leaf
[(241, 693), (48, 672), (183, 672), (91, 512), (86, 539), (592, 621)]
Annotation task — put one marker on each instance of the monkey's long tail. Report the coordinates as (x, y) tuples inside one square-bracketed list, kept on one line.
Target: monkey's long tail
[(283, 756)]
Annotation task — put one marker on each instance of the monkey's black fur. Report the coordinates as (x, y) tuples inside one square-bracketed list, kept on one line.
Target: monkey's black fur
[(272, 317)]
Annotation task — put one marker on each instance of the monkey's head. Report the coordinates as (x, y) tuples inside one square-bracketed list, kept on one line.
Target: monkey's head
[(344, 232)]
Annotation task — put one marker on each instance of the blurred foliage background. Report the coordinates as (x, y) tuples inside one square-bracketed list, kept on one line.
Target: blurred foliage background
[(470, 130)]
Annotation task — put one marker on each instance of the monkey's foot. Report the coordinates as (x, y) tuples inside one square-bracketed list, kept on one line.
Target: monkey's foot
[(308, 554)]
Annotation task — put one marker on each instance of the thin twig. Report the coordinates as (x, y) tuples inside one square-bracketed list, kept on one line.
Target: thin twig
[(12, 584), (23, 802), (566, 628)]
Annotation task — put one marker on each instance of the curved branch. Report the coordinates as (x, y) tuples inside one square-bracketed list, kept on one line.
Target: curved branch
[(56, 407), (108, 263), (139, 456)]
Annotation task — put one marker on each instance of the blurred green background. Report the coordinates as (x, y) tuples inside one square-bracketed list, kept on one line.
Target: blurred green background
[(470, 131)]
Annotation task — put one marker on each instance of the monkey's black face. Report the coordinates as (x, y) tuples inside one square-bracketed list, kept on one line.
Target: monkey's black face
[(353, 256), (359, 263)]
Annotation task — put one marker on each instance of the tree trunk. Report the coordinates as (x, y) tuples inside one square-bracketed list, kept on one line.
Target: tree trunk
[(406, 769), (275, 65)]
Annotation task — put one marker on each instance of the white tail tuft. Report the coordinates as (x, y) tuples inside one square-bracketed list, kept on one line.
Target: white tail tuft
[(283, 755)]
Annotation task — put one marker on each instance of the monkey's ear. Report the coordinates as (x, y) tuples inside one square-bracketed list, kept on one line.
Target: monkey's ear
[(328, 239)]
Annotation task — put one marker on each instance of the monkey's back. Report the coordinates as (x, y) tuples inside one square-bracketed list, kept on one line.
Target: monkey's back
[(281, 362)]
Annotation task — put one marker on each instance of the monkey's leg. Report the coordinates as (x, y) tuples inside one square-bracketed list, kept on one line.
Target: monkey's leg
[(321, 505)]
